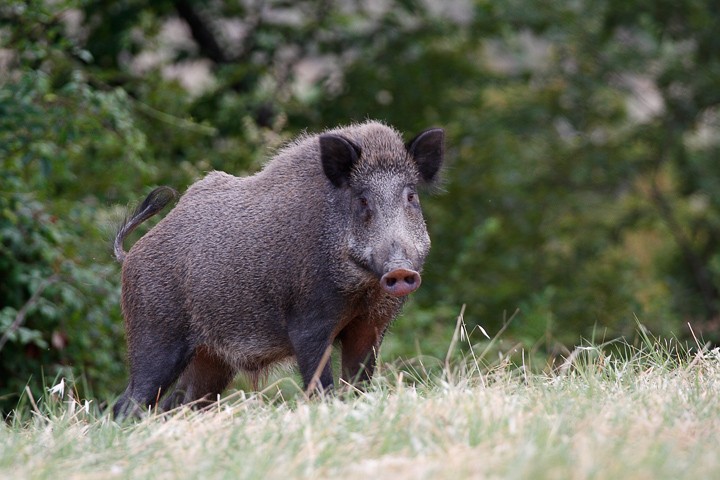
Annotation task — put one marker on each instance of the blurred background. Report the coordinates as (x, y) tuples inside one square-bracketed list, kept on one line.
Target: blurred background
[(582, 182)]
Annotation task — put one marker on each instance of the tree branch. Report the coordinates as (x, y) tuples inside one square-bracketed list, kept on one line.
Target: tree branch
[(204, 37), (698, 269), (20, 317)]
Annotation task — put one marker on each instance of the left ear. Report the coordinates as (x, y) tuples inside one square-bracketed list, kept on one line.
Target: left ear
[(428, 149)]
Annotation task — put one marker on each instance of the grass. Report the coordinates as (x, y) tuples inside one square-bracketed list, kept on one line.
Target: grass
[(641, 412)]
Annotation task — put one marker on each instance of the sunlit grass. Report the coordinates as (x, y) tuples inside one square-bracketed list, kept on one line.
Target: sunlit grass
[(608, 411)]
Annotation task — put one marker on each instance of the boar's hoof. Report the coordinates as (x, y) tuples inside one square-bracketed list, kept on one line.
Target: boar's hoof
[(400, 282)]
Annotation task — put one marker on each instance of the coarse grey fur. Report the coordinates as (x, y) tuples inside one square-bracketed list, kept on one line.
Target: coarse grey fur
[(321, 245)]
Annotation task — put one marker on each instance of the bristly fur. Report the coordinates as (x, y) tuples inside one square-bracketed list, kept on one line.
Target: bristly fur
[(155, 201)]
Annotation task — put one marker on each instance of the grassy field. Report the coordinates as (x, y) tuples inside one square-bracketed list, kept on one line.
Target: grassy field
[(650, 412)]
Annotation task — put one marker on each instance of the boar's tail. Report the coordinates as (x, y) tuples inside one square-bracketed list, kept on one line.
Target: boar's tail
[(155, 201)]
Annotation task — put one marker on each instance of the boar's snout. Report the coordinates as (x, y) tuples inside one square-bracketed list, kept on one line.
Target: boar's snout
[(400, 282)]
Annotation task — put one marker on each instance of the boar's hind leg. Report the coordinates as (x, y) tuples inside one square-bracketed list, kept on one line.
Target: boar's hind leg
[(203, 380), (154, 367), (360, 341)]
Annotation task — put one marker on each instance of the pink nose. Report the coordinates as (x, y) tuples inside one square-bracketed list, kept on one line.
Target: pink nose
[(400, 282)]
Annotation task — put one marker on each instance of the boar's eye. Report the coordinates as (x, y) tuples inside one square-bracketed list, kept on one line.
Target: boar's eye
[(411, 195), (365, 210)]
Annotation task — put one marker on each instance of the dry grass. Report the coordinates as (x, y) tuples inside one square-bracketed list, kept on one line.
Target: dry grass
[(653, 414)]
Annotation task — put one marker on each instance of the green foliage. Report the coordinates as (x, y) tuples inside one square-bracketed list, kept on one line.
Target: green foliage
[(581, 187), (58, 316), (61, 142)]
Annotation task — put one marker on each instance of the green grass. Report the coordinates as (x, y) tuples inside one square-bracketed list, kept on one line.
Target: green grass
[(641, 412)]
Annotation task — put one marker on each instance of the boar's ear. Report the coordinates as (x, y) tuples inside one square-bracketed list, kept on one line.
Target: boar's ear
[(427, 149), (338, 155)]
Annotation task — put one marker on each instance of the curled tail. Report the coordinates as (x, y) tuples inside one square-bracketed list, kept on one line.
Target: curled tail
[(155, 201)]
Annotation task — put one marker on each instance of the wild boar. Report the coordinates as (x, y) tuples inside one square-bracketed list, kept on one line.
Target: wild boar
[(322, 245)]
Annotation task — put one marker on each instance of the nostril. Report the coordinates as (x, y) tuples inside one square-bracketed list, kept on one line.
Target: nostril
[(410, 279), (390, 281)]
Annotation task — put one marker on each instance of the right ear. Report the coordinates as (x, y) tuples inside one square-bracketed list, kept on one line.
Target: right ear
[(338, 155), (428, 150)]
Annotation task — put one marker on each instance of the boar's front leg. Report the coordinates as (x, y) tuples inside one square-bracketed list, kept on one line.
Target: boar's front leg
[(311, 338), (360, 341)]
